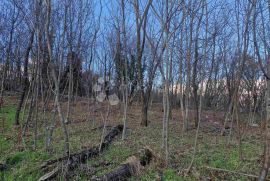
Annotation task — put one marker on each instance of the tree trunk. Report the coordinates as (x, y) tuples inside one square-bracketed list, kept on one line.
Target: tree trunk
[(55, 80), (266, 162), (144, 121), (7, 63), (25, 77)]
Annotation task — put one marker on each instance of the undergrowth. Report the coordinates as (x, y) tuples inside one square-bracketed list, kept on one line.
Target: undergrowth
[(213, 150)]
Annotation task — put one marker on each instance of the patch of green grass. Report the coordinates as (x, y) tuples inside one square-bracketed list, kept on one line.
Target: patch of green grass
[(4, 145), (148, 174), (117, 153), (15, 159), (219, 158), (23, 165), (216, 153), (8, 112), (170, 175)]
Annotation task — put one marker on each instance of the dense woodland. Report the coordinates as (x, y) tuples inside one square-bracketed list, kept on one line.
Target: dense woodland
[(182, 80)]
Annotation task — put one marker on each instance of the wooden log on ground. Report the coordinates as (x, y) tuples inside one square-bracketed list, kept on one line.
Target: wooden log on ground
[(81, 157), (132, 167)]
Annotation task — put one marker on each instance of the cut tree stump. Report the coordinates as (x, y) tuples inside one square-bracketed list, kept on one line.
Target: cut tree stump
[(131, 167), (75, 159)]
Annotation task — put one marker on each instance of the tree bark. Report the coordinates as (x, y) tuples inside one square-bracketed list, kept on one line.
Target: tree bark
[(25, 78), (140, 44), (144, 121), (266, 162)]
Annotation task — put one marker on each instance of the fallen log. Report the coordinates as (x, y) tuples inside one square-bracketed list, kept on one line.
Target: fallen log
[(102, 126), (81, 157), (131, 167)]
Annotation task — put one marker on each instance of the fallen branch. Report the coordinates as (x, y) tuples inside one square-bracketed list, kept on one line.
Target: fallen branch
[(81, 157), (232, 172), (50, 175), (132, 166)]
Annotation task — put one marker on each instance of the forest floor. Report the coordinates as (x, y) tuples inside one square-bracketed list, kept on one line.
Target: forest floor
[(213, 150)]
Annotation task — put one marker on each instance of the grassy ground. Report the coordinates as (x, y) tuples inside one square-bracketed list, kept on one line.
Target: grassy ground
[(213, 150)]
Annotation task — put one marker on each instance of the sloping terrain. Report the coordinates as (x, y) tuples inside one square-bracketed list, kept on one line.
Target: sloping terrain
[(213, 151)]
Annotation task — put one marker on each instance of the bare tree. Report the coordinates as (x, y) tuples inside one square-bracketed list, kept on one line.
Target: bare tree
[(266, 161), (141, 23), (54, 76)]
